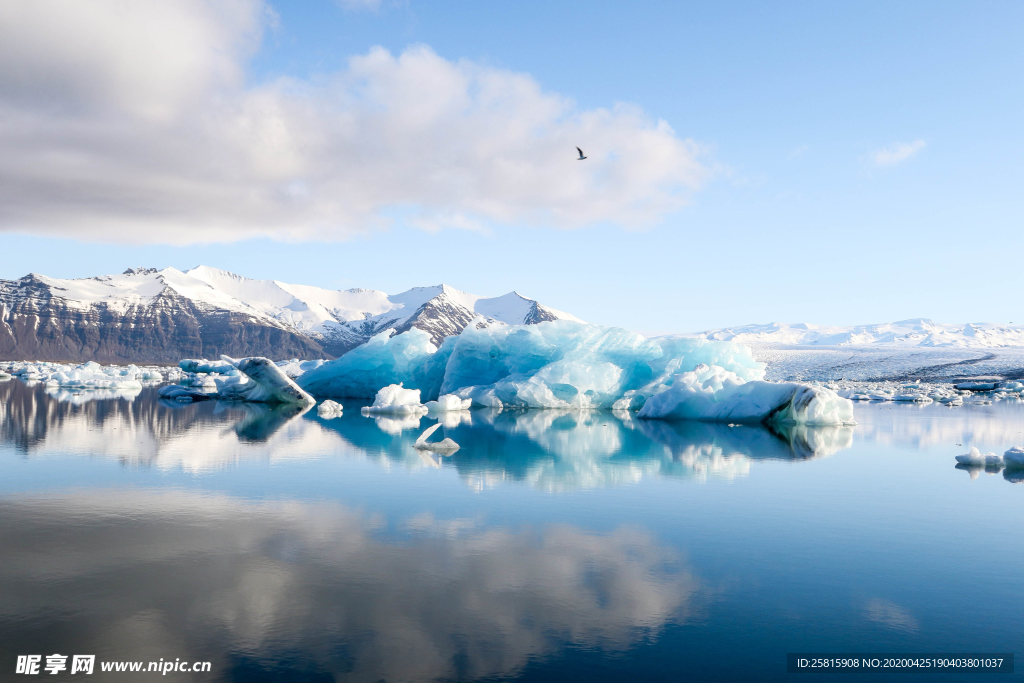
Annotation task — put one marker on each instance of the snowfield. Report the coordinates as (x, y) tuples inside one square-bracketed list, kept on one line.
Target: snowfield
[(916, 349), (902, 334), (787, 363)]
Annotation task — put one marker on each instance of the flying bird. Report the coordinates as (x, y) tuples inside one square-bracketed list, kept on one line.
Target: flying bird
[(581, 154)]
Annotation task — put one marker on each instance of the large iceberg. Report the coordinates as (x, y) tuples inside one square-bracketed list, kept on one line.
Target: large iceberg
[(569, 365)]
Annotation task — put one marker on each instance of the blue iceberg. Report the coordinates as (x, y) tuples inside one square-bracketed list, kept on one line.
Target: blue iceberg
[(564, 364), (409, 359)]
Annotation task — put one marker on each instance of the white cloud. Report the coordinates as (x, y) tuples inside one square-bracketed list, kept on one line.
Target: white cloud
[(897, 152), (132, 122)]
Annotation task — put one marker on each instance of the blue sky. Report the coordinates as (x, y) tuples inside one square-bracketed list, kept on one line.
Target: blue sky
[(858, 162)]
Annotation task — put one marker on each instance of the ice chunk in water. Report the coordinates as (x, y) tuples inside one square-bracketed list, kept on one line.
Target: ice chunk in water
[(329, 409), (180, 393), (397, 400), (979, 459), (267, 383), (221, 367), (715, 394), (90, 375), (1014, 458), (444, 447), (449, 403)]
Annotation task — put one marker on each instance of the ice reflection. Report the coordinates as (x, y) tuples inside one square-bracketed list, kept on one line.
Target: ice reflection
[(280, 586), (80, 397), (1015, 476), (564, 450), (548, 449)]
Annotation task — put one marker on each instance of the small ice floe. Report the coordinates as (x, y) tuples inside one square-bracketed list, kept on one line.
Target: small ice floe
[(86, 376), (329, 409), (976, 386), (951, 400), (879, 397), (448, 403), (978, 459), (1014, 458), (4, 375), (396, 400), (911, 398), (176, 392), (445, 447)]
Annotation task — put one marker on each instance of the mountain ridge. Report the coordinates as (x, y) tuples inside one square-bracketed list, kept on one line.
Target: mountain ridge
[(150, 315)]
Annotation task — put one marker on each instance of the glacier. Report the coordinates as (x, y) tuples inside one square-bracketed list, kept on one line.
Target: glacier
[(571, 365)]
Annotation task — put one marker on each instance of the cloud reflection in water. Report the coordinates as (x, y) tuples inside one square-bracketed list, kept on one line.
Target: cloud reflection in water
[(150, 574)]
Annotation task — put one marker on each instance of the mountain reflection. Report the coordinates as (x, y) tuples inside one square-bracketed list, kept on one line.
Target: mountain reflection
[(277, 586), (547, 449), (149, 432)]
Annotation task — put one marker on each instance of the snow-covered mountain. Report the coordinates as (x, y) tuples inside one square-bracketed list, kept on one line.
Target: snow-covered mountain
[(149, 315), (342, 319), (905, 333)]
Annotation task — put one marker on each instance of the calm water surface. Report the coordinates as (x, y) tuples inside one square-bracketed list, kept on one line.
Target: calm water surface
[(283, 547)]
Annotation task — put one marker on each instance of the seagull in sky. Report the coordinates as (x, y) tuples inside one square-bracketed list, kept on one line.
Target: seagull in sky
[(581, 154)]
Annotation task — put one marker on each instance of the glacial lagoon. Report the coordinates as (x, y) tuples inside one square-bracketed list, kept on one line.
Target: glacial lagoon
[(552, 546)]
